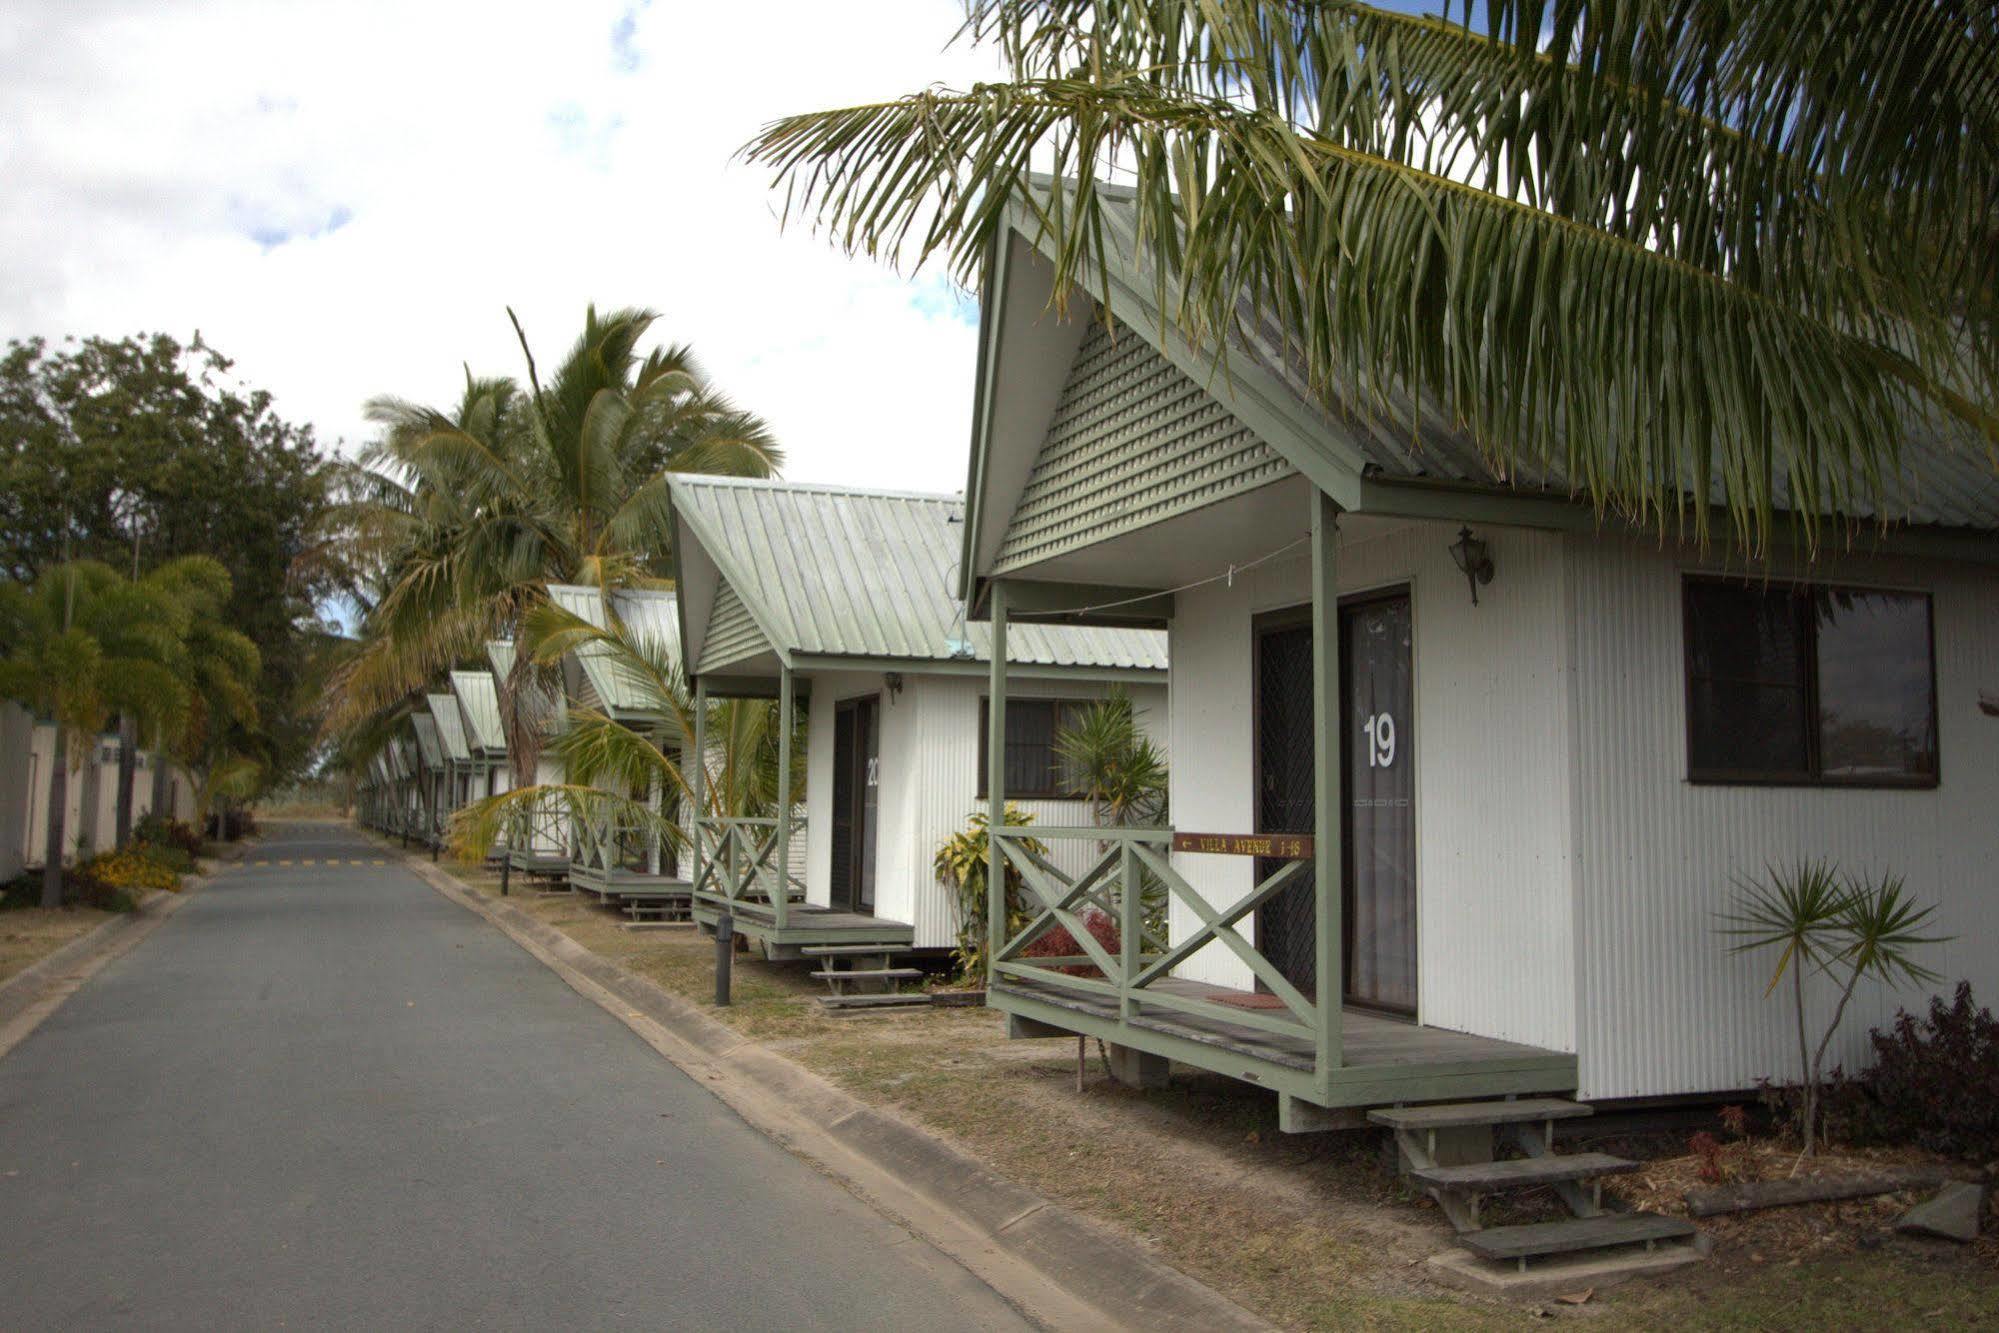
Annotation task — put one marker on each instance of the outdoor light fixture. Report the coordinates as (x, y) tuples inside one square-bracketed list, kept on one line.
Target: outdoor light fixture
[(894, 682), (1474, 557)]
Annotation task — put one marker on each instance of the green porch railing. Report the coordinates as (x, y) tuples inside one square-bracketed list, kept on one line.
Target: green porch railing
[(1114, 883), (738, 863)]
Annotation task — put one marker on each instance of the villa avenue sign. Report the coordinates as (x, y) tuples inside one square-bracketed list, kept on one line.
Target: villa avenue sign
[(1278, 846)]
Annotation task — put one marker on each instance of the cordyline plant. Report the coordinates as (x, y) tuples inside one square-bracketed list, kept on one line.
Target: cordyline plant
[(1682, 254), (963, 864), (1847, 928)]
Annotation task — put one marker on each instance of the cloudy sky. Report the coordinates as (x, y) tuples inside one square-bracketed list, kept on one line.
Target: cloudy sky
[(344, 196)]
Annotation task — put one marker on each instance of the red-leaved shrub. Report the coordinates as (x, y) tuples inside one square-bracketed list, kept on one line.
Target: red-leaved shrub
[(1059, 943)]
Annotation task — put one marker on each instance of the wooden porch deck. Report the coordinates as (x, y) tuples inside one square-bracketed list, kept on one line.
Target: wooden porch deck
[(804, 924), (1384, 1060)]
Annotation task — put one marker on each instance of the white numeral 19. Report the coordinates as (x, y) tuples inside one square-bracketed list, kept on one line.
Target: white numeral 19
[(1380, 730)]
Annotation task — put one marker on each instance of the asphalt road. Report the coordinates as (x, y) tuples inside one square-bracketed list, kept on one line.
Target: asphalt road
[(323, 1096)]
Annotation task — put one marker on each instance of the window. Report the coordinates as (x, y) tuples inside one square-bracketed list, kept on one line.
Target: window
[(1809, 684), (1033, 771)]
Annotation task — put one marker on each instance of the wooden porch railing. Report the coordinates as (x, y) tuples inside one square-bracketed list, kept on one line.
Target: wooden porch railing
[(1113, 884), (738, 862)]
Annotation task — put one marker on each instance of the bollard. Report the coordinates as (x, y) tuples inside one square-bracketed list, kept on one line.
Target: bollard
[(506, 871), (725, 955)]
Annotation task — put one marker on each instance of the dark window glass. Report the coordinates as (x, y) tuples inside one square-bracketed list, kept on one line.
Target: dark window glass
[(1877, 701), (1033, 769), (1805, 684)]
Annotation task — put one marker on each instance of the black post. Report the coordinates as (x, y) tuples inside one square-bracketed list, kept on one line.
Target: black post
[(725, 955), (506, 872)]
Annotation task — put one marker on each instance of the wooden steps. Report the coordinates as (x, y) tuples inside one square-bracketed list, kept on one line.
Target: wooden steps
[(1518, 1173), (898, 1000), (885, 974), (1448, 1151), (857, 971), (1537, 1240), (1457, 1115), (847, 950)]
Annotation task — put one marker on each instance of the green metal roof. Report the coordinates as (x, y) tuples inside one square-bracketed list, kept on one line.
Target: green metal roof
[(541, 702), (450, 727), (428, 747), (480, 704), (829, 571), (650, 617)]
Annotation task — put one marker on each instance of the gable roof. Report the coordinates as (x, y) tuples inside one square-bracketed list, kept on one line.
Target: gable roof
[(480, 703), (450, 726), (1366, 461), (830, 572), (539, 701), (428, 748), (651, 617)]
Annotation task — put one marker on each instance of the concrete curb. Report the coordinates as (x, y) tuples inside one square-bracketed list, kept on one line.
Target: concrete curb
[(1058, 1267)]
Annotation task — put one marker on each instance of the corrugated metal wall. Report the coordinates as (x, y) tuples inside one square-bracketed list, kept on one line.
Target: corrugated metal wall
[(1663, 1008), (1494, 885), (17, 738), (929, 785), (1133, 441)]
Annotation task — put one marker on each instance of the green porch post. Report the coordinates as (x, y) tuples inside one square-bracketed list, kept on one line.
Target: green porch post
[(996, 786), (782, 900), (699, 781), (1328, 865)]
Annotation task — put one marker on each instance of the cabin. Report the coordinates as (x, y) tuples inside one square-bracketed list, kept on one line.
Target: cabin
[(90, 817), (840, 601), (444, 715), (17, 775), (541, 846), (479, 718), (622, 861), (1467, 773), (431, 781)]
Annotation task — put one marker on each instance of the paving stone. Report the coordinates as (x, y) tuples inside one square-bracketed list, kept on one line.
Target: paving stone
[(1953, 1214)]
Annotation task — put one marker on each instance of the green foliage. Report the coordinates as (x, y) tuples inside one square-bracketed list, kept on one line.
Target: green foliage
[(1680, 254), (1847, 928), (106, 442), (1110, 762), (963, 864), (165, 832), (1934, 1083)]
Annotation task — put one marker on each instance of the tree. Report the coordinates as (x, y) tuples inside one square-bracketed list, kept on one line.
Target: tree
[(469, 515), (1684, 254), (1108, 761), (1848, 929), (85, 642), (138, 451)]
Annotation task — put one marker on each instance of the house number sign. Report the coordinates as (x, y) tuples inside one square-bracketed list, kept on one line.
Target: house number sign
[(1277, 846)]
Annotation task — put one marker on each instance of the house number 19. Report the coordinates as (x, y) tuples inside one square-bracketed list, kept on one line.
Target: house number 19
[(1380, 728)]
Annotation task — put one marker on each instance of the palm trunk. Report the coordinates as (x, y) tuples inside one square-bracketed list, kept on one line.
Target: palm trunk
[(52, 849), (128, 767)]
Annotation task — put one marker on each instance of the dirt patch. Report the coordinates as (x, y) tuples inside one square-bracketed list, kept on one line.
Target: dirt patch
[(30, 934), (1310, 1231)]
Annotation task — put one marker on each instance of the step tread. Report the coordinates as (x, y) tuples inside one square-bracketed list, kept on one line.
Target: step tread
[(1573, 1234), (848, 950), (1521, 1172), (1459, 1114), (909, 1000), (875, 974)]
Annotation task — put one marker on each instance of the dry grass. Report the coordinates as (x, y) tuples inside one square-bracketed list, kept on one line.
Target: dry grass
[(1311, 1231), (30, 934)]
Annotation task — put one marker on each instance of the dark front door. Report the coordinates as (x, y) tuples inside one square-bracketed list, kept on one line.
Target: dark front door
[(1285, 925), (1379, 828), (856, 791)]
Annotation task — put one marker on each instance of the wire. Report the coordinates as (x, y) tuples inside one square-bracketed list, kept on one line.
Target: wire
[(1228, 574)]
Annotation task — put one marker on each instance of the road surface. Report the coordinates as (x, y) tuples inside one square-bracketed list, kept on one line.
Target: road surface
[(322, 1096)]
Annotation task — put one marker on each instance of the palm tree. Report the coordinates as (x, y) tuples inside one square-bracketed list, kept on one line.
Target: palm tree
[(474, 512), (1689, 254), (84, 643)]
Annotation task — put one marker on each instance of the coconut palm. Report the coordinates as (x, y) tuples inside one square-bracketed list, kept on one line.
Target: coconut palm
[(1670, 248), (467, 516), (86, 643)]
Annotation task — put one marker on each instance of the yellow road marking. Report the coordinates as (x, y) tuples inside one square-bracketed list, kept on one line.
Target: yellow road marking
[(284, 863), (354, 863), (378, 862), (308, 861)]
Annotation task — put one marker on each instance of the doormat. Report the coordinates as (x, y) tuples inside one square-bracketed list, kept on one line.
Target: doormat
[(1248, 1000)]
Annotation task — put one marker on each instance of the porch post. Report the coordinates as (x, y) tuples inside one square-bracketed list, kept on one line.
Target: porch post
[(698, 782), (782, 900), (996, 786), (1328, 865)]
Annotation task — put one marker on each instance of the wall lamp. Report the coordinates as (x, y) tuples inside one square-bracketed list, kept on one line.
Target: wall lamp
[(1474, 560), (894, 682)]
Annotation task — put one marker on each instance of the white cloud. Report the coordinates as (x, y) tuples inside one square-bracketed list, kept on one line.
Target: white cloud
[(345, 195)]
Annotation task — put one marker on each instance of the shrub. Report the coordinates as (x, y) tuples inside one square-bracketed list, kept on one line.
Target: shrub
[(131, 869), (165, 831), (1057, 942), (1934, 1083), (173, 858)]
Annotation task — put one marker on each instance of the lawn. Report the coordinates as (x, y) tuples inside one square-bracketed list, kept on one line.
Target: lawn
[(30, 934)]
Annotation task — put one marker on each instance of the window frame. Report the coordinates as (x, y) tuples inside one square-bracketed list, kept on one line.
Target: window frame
[(1058, 706), (1813, 774)]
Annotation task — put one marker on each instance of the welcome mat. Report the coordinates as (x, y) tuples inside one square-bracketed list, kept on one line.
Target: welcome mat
[(1247, 1000)]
